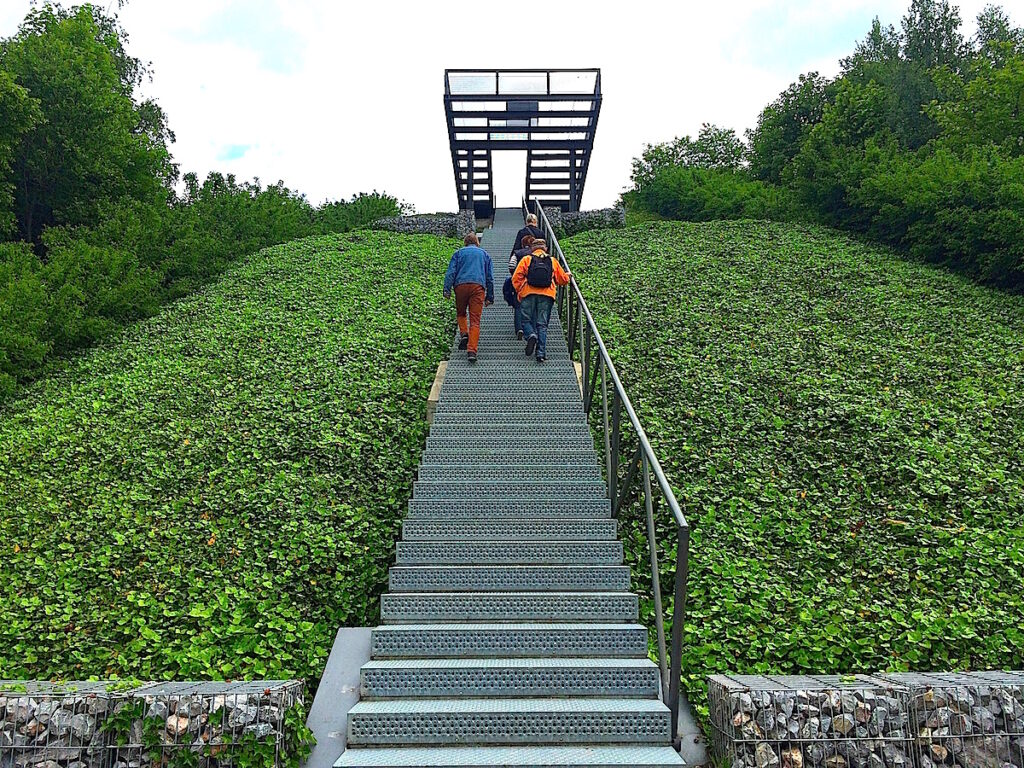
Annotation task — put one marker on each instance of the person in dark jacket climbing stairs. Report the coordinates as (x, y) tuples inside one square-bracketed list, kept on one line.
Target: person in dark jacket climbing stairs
[(536, 279)]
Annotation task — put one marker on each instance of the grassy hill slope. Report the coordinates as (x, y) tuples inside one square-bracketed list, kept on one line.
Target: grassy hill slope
[(844, 429), (217, 490)]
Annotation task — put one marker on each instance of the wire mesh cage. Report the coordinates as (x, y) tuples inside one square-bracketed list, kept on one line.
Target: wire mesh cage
[(52, 726), (968, 719), (170, 725), (816, 721)]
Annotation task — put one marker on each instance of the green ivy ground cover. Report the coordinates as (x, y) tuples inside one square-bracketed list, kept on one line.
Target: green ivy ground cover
[(214, 493), (845, 431)]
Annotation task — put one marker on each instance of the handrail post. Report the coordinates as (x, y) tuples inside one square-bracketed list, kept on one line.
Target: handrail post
[(659, 614), (616, 436), (678, 619), (607, 433)]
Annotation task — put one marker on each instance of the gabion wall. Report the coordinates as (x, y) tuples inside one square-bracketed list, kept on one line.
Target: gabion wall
[(898, 720), (179, 725), (971, 719), (574, 222), (819, 721), (440, 224)]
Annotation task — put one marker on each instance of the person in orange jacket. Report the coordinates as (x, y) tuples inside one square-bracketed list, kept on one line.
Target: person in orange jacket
[(535, 281)]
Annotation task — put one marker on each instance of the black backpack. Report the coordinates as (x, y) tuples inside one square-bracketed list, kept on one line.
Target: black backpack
[(540, 271)]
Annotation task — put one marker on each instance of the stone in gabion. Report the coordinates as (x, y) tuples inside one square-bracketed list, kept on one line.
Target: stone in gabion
[(50, 727), (965, 719), (440, 224), (821, 722), (571, 223)]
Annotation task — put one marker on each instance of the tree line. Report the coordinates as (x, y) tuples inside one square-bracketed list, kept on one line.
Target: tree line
[(918, 143), (98, 227)]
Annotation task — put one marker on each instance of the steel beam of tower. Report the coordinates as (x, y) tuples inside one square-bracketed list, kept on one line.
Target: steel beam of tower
[(551, 113)]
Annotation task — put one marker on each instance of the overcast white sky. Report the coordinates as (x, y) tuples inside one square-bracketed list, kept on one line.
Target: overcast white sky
[(336, 98)]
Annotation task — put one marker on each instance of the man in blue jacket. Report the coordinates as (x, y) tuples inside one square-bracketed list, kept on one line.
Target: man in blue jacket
[(470, 273)]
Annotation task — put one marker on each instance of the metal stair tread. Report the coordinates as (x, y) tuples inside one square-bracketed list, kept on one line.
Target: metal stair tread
[(483, 639), (512, 606), (576, 704), (638, 756), (501, 553), (521, 663), (508, 578)]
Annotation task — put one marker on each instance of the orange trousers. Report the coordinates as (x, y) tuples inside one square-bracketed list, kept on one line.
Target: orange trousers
[(470, 296)]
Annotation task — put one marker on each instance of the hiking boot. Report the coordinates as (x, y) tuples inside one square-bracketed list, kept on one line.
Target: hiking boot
[(464, 342), (531, 344), (471, 356), (541, 359), (519, 335)]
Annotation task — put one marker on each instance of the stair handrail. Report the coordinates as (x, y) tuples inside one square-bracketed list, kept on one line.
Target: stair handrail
[(581, 333)]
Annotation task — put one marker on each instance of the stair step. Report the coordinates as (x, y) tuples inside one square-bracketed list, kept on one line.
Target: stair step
[(509, 721), (427, 489), (489, 553), (522, 372), (521, 410), (553, 432), (523, 475), (524, 756), (510, 457), (428, 607), (506, 640), (488, 678), (570, 529), (509, 578), (455, 440), (481, 508), (465, 386)]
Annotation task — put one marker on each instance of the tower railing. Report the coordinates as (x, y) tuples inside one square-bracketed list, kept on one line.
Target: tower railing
[(599, 375)]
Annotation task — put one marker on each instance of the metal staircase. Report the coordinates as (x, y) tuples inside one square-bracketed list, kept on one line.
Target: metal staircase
[(509, 635)]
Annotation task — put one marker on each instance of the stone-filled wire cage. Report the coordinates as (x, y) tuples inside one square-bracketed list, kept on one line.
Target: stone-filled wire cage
[(969, 719), (815, 721), (157, 725)]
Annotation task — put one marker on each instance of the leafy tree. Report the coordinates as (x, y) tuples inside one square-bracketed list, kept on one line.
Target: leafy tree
[(931, 34), (987, 108), (18, 114), (714, 148), (94, 143), (881, 45), (783, 125), (834, 158), (997, 39)]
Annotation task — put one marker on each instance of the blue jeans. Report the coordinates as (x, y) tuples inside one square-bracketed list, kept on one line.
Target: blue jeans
[(536, 311), (517, 316)]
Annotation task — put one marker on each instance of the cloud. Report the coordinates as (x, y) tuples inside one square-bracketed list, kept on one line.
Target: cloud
[(233, 151)]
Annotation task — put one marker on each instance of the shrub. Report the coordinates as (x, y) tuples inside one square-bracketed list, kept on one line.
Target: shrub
[(23, 315), (697, 194)]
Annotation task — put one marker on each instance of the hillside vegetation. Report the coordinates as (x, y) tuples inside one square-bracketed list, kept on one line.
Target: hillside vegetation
[(845, 431), (215, 491)]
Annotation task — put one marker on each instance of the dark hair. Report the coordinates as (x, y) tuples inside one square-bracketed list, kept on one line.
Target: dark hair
[(471, 239), (527, 241)]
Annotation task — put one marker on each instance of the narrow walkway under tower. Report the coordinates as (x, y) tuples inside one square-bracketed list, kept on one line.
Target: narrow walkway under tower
[(509, 635)]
